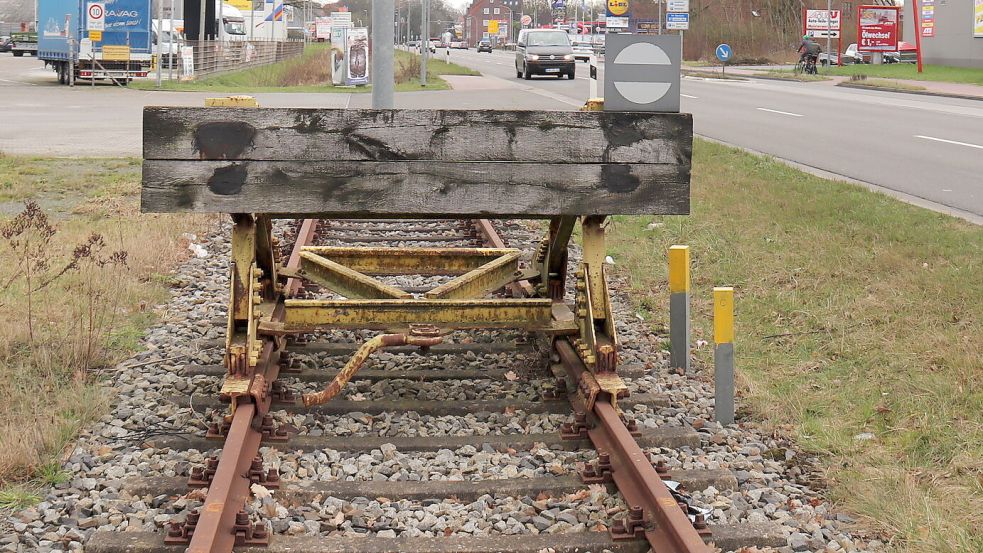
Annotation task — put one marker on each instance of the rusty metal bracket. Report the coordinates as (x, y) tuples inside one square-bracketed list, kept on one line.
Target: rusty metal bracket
[(577, 430), (598, 471), (632, 527)]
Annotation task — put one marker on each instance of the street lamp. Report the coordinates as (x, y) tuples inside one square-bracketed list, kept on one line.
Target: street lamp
[(506, 4)]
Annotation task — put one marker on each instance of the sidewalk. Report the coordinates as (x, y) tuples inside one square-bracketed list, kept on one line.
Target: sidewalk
[(931, 88)]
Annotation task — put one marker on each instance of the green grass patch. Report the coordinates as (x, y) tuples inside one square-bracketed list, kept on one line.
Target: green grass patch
[(82, 273), (855, 313), (311, 72), (968, 75), (886, 84), (789, 75)]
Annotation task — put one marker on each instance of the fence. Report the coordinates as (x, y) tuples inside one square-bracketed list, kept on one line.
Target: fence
[(212, 57)]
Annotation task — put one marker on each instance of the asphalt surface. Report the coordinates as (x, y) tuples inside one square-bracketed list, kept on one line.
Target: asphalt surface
[(925, 149)]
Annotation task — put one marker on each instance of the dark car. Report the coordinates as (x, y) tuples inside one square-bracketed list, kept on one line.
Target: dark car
[(544, 52), (484, 46), (6, 44)]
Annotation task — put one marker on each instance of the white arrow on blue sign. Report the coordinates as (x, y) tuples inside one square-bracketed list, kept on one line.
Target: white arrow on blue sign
[(724, 53)]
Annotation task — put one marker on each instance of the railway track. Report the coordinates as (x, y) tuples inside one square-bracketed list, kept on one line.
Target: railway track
[(478, 443)]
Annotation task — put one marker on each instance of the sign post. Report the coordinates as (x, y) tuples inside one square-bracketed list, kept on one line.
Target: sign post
[(724, 53), (918, 35)]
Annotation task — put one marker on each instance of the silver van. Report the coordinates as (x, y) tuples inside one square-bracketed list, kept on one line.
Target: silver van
[(544, 52)]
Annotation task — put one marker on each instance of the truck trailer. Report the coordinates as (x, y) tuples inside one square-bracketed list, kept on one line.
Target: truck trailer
[(121, 52)]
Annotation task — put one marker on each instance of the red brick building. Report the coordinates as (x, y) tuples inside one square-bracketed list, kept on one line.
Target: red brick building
[(480, 12)]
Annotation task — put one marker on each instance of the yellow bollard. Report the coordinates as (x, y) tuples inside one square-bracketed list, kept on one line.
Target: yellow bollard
[(723, 355), (679, 329)]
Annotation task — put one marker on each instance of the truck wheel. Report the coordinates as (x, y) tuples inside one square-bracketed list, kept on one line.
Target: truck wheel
[(62, 74), (18, 54)]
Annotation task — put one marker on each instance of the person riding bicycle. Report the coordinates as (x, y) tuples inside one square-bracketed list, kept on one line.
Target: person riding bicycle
[(809, 50)]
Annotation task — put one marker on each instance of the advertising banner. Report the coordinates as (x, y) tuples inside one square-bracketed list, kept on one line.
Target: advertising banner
[(338, 41), (877, 28), (357, 56), (617, 8), (978, 21), (322, 28), (817, 20)]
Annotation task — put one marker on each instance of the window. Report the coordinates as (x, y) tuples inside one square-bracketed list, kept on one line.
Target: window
[(497, 11), (486, 11), (484, 23)]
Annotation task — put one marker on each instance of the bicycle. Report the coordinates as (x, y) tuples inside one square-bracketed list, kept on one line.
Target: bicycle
[(808, 66)]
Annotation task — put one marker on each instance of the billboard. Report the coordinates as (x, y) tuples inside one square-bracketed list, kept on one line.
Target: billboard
[(877, 28), (978, 21), (322, 28), (357, 56)]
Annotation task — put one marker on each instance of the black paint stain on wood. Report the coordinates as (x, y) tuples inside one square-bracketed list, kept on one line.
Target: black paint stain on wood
[(308, 122), (371, 148), (619, 179), (228, 180), (223, 139)]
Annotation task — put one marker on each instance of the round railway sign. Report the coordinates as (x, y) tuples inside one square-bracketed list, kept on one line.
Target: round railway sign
[(95, 11), (526, 19)]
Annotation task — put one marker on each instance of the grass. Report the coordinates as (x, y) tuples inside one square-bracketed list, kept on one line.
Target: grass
[(81, 274), (311, 72), (789, 75), (886, 84), (968, 75), (856, 313)]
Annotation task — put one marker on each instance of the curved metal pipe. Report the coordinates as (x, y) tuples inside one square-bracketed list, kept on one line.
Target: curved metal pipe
[(360, 357)]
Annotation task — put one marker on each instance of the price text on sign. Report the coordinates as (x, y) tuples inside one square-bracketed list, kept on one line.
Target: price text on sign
[(617, 7), (877, 28)]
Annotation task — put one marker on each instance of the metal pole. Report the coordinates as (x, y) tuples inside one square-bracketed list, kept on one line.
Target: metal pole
[(829, 39), (383, 13), (160, 39), (660, 17), (425, 38), (201, 26), (221, 21), (170, 46)]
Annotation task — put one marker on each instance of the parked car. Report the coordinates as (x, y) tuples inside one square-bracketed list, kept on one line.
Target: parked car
[(907, 53), (412, 43), (582, 50), (544, 52), (851, 55), (459, 45), (6, 44)]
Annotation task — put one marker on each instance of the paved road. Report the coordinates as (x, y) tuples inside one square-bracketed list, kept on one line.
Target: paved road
[(924, 147)]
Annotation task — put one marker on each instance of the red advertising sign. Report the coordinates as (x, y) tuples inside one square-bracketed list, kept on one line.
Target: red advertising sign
[(877, 28)]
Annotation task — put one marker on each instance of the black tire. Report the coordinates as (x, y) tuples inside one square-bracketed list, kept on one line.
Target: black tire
[(17, 54), (62, 74), (572, 75), (527, 75)]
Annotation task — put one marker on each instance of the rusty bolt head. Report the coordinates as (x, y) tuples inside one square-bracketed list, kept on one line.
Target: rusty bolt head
[(700, 523), (635, 513)]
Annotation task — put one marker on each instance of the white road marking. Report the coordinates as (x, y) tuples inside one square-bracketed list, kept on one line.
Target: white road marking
[(956, 142), (688, 96), (780, 112)]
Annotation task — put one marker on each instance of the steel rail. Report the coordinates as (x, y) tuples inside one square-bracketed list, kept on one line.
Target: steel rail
[(229, 488), (668, 529)]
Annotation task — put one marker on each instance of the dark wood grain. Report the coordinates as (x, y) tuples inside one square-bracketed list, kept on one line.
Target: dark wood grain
[(368, 188), (415, 162), (394, 135)]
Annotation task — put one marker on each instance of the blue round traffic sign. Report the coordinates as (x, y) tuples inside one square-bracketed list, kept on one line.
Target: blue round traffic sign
[(724, 53)]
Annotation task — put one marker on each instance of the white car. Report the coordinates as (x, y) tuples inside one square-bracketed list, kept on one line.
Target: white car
[(582, 50)]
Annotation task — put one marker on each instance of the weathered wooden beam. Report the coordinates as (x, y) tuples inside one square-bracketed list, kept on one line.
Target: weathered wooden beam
[(359, 188), (183, 133)]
